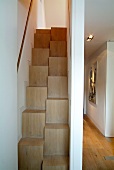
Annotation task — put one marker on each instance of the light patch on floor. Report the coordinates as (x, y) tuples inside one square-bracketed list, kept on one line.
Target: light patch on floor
[(108, 139), (109, 157)]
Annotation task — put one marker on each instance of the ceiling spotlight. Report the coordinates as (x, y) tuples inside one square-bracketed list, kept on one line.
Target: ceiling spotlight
[(90, 37)]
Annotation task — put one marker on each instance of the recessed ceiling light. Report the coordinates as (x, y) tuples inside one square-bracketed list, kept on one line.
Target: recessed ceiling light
[(90, 37)]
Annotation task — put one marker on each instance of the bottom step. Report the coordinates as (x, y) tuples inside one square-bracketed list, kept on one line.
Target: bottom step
[(55, 163), (30, 154)]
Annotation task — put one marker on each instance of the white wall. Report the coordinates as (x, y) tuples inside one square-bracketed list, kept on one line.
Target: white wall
[(41, 23), (77, 83), (8, 85), (110, 91), (23, 7), (23, 73), (96, 112), (56, 13)]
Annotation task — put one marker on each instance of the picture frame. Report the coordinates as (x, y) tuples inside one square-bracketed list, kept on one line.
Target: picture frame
[(92, 83)]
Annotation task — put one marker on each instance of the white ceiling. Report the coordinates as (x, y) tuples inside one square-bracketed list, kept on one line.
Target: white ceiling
[(99, 21)]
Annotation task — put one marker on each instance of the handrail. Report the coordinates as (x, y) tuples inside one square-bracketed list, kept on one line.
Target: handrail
[(24, 34)]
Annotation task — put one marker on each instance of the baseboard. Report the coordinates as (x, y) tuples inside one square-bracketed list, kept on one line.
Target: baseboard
[(96, 125)]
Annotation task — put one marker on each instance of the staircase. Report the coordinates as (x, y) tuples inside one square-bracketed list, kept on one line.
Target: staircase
[(45, 131)]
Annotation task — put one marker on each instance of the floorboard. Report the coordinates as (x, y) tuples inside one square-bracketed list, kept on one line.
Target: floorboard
[(95, 148)]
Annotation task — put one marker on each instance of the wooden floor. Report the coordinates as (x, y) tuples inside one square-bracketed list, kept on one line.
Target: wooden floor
[(95, 148)]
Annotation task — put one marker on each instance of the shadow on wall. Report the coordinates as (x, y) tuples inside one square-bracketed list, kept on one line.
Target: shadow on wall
[(25, 3)]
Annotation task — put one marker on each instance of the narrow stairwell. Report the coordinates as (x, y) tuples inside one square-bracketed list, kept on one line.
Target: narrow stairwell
[(45, 131)]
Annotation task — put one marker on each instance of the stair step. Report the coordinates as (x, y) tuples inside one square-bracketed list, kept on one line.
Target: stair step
[(57, 111), (57, 98), (58, 34), (55, 163), (31, 142), (57, 66), (36, 98), (43, 31), (34, 111), (40, 56), (38, 76), (30, 154), (42, 40), (58, 48), (33, 123), (56, 139), (57, 87), (56, 126)]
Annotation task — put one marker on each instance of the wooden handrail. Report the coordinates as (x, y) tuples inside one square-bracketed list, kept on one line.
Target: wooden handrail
[(24, 34)]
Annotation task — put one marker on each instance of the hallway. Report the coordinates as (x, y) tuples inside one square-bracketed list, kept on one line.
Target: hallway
[(95, 148)]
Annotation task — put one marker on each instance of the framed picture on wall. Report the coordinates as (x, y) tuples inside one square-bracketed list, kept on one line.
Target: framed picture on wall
[(92, 82)]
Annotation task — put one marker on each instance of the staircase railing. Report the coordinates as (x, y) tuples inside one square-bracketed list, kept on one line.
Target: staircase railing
[(24, 34)]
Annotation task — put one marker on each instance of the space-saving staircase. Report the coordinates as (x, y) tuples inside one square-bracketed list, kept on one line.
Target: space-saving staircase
[(45, 131)]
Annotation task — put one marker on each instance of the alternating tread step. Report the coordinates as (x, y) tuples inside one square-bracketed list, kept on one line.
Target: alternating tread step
[(42, 40), (56, 139), (30, 153), (55, 162), (33, 123), (58, 49), (38, 76), (31, 142), (57, 66), (36, 98), (40, 56), (57, 87), (57, 111), (58, 34)]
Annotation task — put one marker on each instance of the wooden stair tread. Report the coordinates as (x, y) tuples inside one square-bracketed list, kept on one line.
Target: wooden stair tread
[(55, 160), (43, 31), (34, 111), (58, 77), (41, 34), (57, 98), (37, 86), (31, 142), (44, 34), (39, 66), (56, 126), (57, 58), (36, 49), (64, 58), (61, 28), (44, 49), (59, 41)]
